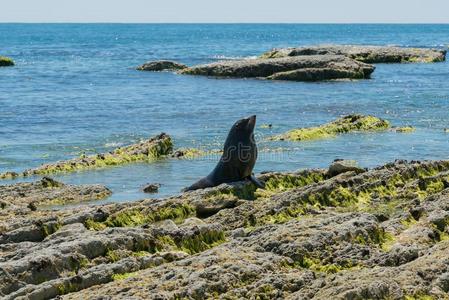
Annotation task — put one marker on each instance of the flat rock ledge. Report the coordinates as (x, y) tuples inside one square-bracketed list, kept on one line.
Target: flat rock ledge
[(297, 68), (148, 150), (48, 191), (381, 233), (346, 124), (6, 61), (366, 54), (161, 65)]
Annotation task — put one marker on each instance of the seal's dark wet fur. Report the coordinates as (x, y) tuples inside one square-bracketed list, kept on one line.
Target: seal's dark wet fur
[(238, 159)]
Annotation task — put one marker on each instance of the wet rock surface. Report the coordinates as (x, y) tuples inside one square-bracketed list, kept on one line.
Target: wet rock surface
[(340, 166), (48, 192), (367, 54), (148, 150), (161, 65), (380, 234), (298, 68), (151, 188)]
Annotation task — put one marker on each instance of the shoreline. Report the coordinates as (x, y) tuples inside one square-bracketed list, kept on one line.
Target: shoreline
[(398, 208)]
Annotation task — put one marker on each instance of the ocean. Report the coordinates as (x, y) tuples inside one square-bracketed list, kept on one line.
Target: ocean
[(75, 90)]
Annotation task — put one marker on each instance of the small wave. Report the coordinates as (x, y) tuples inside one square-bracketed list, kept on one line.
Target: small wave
[(113, 144), (224, 57)]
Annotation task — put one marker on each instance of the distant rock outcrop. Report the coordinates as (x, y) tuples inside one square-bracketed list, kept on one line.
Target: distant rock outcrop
[(367, 54), (161, 65), (298, 68)]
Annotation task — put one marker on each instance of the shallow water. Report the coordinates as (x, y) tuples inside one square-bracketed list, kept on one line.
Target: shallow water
[(75, 90)]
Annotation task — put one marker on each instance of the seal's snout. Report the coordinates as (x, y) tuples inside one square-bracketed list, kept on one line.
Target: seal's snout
[(252, 122)]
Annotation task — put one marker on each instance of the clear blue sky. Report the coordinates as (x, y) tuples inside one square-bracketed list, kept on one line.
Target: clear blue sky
[(210, 11)]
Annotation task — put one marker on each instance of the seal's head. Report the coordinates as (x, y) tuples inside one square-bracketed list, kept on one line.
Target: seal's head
[(244, 126), (242, 131)]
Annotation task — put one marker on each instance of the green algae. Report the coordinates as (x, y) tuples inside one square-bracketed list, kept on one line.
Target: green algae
[(274, 183), (284, 182), (112, 255), (6, 61), (419, 296), (50, 228), (315, 264), (405, 129), (66, 288), (418, 182), (202, 241), (387, 242), (137, 217), (92, 225), (191, 153), (193, 244), (376, 237), (350, 123), (123, 276)]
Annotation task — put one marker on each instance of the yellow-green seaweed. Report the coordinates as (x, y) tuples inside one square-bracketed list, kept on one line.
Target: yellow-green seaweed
[(350, 123), (6, 61)]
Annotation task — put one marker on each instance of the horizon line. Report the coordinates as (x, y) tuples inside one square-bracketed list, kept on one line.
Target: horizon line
[(231, 23)]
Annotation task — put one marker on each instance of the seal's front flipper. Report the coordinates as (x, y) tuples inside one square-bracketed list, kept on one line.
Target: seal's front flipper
[(256, 181)]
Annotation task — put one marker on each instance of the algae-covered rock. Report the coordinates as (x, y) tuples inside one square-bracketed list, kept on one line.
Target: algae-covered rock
[(161, 65), (148, 150), (9, 175), (48, 191), (6, 61), (298, 68), (367, 54), (346, 124), (405, 129)]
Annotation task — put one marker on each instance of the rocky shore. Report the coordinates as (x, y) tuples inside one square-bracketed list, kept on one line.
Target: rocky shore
[(48, 191), (367, 54), (342, 233)]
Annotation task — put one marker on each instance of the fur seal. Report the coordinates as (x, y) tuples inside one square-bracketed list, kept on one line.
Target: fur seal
[(238, 159)]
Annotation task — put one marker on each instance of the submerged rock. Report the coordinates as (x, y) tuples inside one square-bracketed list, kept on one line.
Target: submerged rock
[(161, 65), (346, 124), (298, 68), (151, 188), (367, 54), (6, 61), (148, 150), (380, 234), (9, 175), (405, 129)]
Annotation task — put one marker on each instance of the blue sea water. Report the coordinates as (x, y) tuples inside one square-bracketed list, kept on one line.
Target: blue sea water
[(75, 90)]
